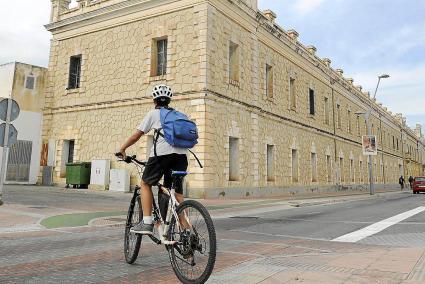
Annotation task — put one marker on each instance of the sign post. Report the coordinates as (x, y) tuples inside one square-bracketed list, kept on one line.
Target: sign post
[(9, 111)]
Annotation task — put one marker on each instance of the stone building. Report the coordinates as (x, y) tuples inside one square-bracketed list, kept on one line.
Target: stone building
[(25, 84), (274, 118)]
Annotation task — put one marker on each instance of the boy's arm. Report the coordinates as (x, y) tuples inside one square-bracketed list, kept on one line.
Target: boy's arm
[(131, 141)]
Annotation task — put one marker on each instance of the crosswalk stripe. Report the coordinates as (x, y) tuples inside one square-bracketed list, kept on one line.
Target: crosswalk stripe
[(378, 227)]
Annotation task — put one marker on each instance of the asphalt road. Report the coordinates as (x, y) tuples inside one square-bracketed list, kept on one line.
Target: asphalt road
[(327, 222)]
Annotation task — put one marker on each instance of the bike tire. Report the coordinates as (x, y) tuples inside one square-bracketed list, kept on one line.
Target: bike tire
[(132, 241), (173, 252)]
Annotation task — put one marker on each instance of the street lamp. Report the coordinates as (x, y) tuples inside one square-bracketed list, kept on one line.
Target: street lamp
[(383, 76), (367, 115)]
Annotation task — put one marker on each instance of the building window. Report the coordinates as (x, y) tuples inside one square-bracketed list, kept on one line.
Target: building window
[(327, 114), (398, 148), (294, 165), (159, 57), (162, 57), (349, 120), (74, 72), (292, 94), (311, 97), (233, 159), (341, 169), (352, 170), (270, 163), (269, 81), (329, 167), (338, 116), (313, 167), (358, 125), (233, 62), (361, 171), (29, 82)]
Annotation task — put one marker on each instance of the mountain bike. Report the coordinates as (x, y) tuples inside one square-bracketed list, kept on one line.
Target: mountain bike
[(186, 230)]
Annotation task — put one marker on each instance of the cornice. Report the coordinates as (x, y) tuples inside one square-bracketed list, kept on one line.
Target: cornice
[(106, 12)]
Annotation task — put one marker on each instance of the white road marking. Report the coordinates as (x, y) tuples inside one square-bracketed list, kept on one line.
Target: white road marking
[(378, 227)]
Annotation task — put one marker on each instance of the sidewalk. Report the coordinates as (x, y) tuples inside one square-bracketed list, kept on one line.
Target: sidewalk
[(284, 260)]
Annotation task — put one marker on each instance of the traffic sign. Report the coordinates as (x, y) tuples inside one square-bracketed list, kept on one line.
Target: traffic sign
[(13, 135), (14, 112)]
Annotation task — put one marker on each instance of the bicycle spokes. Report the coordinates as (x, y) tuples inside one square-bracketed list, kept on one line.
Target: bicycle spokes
[(193, 255)]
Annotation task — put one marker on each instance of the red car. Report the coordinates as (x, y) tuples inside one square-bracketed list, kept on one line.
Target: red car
[(419, 184)]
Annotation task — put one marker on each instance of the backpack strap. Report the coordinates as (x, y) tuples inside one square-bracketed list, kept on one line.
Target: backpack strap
[(199, 162), (155, 140), (158, 133)]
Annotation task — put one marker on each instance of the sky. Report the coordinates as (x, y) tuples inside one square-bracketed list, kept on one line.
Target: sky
[(365, 38)]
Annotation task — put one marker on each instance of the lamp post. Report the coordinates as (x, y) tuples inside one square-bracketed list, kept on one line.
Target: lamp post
[(367, 115)]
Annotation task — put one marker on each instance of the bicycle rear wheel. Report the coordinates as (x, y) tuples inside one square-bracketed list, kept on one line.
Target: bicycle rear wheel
[(193, 256), (132, 241)]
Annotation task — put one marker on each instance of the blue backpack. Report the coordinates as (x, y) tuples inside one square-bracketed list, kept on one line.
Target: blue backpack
[(179, 130)]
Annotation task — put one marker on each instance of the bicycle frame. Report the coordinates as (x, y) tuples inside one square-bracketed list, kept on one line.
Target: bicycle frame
[(163, 227)]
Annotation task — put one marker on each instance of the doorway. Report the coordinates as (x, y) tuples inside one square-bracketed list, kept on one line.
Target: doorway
[(19, 162)]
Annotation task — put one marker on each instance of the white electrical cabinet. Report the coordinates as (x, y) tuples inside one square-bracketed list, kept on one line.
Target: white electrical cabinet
[(99, 176), (119, 180)]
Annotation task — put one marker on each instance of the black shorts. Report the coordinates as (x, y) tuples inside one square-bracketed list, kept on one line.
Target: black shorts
[(159, 166)]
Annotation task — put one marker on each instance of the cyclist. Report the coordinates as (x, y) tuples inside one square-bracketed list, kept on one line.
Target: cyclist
[(166, 159)]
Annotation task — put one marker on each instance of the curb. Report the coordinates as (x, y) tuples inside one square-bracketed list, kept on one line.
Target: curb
[(342, 199)]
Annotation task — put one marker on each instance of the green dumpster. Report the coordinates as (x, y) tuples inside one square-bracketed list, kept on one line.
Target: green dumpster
[(78, 174)]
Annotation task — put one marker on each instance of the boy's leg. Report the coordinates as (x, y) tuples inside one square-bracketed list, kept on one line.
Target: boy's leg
[(147, 199), (152, 174), (145, 227)]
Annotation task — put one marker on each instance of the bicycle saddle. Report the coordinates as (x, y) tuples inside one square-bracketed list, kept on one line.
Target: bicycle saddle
[(178, 173)]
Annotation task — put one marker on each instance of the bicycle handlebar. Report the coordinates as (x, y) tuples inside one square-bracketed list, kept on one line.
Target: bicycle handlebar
[(129, 159)]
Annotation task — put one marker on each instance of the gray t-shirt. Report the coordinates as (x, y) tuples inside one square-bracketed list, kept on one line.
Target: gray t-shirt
[(153, 121)]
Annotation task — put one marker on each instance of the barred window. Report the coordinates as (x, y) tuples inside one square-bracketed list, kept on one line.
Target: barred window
[(74, 72), (161, 57), (312, 101)]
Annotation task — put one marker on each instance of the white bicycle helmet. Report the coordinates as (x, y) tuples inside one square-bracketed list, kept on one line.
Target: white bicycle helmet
[(162, 91)]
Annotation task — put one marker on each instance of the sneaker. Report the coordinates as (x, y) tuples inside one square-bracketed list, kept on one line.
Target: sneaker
[(142, 228)]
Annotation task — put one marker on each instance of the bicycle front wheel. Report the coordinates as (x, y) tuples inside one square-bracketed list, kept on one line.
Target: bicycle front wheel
[(193, 256), (132, 241)]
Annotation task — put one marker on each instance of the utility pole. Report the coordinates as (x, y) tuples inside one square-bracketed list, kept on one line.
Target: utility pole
[(367, 116)]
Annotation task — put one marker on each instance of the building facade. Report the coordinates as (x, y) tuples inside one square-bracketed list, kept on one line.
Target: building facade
[(273, 117), (25, 84)]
